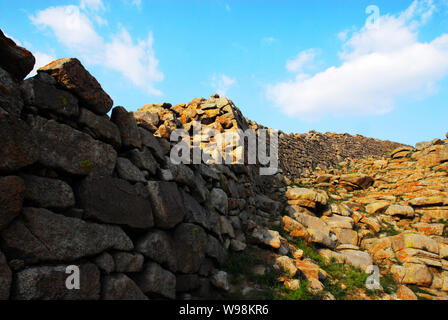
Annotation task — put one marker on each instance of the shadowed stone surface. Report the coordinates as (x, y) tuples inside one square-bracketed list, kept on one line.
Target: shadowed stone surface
[(46, 97), (44, 236), (16, 60), (98, 197), (101, 127), (5, 278), (71, 150), (121, 287), (191, 244), (48, 193), (157, 281), (10, 99), (17, 144), (71, 75), (167, 204), (11, 199), (49, 283), (158, 246), (130, 135)]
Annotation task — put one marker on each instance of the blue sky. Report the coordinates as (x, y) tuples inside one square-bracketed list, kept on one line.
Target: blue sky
[(290, 65)]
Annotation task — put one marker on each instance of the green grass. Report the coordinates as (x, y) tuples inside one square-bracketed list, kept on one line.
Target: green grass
[(240, 265), (309, 250), (418, 290), (350, 276), (300, 294), (389, 229), (388, 283)]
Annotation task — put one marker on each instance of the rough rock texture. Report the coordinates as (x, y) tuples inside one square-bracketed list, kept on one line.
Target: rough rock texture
[(16, 60), (120, 287), (166, 203), (154, 280), (18, 145), (5, 278), (97, 197), (49, 283), (130, 135), (101, 127), (44, 96), (10, 98), (48, 193), (158, 246), (12, 191), (190, 242), (73, 151), (140, 226), (44, 236), (71, 75)]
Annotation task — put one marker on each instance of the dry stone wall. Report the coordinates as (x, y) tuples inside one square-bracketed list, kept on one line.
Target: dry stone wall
[(79, 187)]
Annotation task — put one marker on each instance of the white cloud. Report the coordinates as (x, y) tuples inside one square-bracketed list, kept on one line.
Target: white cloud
[(101, 21), (94, 5), (137, 3), (268, 40), (74, 29), (136, 62), (378, 66), (303, 59), (222, 83)]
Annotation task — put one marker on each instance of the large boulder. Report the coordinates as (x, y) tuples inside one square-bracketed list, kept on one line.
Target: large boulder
[(130, 135), (48, 193), (195, 213), (144, 160), (216, 250), (218, 200), (120, 287), (11, 199), (357, 258), (414, 240), (19, 147), (399, 210), (70, 150), (155, 280), (303, 194), (49, 283), (47, 98), (41, 235), (100, 127), (71, 75), (356, 181), (150, 141), (116, 201), (128, 261), (5, 278), (411, 273), (190, 242), (166, 203), (128, 171), (10, 98), (158, 246), (16, 60)]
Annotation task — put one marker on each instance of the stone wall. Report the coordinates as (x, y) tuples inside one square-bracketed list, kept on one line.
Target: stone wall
[(299, 154), (78, 187)]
